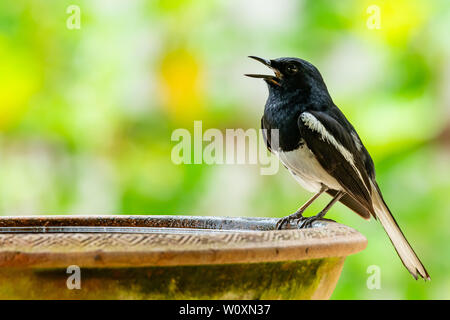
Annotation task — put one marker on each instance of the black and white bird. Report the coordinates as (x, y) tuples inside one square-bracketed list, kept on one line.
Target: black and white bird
[(322, 150)]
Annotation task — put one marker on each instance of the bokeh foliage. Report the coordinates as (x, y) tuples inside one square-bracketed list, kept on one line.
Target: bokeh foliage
[(86, 115)]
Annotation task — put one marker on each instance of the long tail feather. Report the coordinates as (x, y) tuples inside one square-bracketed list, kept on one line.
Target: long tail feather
[(401, 245)]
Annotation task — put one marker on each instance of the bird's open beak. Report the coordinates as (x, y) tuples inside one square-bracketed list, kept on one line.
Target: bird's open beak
[(275, 79)]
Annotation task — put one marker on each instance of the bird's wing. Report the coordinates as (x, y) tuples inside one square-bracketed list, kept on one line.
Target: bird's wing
[(352, 204), (336, 150)]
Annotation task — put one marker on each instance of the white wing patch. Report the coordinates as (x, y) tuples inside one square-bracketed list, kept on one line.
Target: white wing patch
[(357, 141), (315, 125)]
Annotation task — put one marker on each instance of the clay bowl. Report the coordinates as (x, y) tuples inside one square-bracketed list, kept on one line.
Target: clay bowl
[(170, 257)]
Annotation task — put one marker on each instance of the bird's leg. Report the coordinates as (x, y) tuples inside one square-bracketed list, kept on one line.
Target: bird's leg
[(299, 213), (307, 222)]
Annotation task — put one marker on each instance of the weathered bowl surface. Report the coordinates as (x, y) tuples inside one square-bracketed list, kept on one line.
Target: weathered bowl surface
[(171, 257)]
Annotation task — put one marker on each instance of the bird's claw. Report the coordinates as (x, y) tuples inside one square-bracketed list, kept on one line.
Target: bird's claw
[(288, 219), (283, 221), (302, 222), (307, 222)]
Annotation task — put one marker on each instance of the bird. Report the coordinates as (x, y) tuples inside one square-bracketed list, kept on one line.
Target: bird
[(321, 149)]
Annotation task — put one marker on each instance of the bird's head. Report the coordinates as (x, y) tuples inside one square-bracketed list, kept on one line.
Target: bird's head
[(290, 74)]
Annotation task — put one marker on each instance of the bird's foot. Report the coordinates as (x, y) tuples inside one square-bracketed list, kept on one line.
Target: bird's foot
[(287, 220), (307, 222)]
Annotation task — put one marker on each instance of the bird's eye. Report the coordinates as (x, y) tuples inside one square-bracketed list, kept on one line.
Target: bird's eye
[(291, 69)]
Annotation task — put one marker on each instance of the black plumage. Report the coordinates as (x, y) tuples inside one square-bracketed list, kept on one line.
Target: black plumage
[(322, 150)]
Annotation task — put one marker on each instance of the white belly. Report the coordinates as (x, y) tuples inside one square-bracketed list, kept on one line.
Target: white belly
[(305, 168)]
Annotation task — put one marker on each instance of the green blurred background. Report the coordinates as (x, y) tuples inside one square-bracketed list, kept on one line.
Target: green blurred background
[(86, 115)]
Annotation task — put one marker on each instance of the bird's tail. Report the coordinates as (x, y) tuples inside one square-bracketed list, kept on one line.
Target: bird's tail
[(401, 245)]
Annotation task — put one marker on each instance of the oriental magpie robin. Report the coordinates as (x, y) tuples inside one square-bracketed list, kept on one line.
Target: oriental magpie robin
[(322, 150)]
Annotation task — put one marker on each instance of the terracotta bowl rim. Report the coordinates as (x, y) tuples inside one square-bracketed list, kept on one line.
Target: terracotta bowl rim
[(165, 240)]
